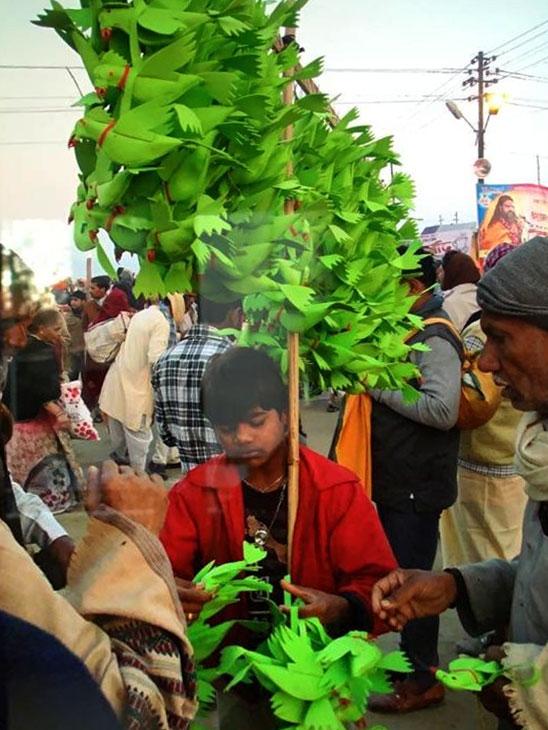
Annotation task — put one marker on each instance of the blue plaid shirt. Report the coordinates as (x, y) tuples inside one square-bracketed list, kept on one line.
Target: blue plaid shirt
[(176, 379)]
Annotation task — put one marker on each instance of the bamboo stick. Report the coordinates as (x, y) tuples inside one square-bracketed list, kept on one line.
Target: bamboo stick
[(293, 374), (309, 86)]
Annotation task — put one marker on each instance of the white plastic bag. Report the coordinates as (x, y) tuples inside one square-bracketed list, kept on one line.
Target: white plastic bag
[(103, 340), (80, 418)]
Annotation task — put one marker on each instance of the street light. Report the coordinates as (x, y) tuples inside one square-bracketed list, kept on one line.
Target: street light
[(494, 103)]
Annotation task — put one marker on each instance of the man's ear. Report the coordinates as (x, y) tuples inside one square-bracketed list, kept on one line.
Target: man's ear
[(236, 317), (416, 287)]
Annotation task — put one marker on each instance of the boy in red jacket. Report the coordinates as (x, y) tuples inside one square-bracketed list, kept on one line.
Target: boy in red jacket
[(339, 548)]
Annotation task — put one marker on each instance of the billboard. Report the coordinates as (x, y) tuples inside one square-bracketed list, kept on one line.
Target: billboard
[(440, 239), (510, 214)]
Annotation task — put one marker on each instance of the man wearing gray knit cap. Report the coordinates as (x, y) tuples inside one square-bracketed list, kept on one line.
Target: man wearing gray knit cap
[(499, 594)]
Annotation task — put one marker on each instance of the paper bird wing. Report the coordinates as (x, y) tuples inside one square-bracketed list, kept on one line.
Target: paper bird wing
[(172, 57), (299, 684), (297, 647), (146, 117), (475, 664), (288, 708)]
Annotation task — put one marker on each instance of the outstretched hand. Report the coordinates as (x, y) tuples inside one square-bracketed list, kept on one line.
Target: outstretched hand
[(193, 597), (139, 497), (405, 595), (327, 607)]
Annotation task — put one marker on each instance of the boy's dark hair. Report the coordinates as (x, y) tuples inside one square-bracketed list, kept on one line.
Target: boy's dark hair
[(427, 267), (81, 295), (214, 312), (101, 281), (238, 381)]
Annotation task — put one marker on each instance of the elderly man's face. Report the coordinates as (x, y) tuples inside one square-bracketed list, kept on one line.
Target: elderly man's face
[(517, 354)]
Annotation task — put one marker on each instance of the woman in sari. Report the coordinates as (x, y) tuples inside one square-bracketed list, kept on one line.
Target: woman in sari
[(40, 455)]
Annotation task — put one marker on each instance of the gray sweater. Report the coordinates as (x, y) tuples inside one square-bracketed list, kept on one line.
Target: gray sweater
[(440, 387)]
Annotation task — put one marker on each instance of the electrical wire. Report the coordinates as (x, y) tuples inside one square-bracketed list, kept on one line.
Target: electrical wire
[(517, 37), (40, 111), (531, 65), (527, 54), (33, 142), (29, 67), (35, 98), (523, 43), (394, 70), (507, 74)]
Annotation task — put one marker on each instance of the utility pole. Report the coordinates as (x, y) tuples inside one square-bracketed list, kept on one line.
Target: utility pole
[(478, 76), (440, 218), (456, 218), (538, 169)]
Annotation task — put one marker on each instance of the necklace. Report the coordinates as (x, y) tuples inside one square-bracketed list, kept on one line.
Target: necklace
[(259, 531), (269, 488)]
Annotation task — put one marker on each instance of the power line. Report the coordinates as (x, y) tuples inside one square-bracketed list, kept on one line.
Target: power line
[(523, 77), (29, 67), (526, 54), (35, 98), (536, 63), (523, 43), (33, 142), (394, 70), (528, 106), (39, 111), (517, 37), (362, 102)]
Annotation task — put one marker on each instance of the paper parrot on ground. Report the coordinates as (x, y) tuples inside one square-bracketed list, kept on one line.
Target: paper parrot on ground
[(184, 164), (473, 674)]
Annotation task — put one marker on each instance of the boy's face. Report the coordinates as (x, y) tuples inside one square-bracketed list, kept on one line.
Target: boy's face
[(254, 440)]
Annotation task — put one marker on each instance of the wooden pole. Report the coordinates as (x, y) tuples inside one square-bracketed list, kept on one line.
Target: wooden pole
[(293, 369), (88, 272)]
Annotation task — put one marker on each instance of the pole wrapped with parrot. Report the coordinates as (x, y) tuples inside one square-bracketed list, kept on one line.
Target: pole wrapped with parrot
[(183, 164)]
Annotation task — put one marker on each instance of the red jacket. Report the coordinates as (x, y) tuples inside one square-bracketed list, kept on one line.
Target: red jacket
[(339, 545)]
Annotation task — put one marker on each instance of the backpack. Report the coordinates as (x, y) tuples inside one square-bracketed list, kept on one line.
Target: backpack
[(103, 340), (480, 396)]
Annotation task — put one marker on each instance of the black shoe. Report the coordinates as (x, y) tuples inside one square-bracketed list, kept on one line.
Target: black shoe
[(160, 469), (118, 459)]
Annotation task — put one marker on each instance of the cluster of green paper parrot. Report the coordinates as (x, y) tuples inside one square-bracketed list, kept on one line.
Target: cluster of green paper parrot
[(184, 163), (227, 583), (315, 682)]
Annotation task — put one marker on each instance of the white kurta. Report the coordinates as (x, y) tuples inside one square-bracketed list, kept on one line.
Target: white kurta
[(127, 392)]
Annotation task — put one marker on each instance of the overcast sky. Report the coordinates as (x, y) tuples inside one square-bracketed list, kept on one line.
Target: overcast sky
[(38, 174)]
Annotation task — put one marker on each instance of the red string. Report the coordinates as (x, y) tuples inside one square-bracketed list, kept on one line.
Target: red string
[(104, 133), (123, 79)]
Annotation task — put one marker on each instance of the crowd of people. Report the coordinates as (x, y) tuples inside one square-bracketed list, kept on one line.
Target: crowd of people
[(177, 391)]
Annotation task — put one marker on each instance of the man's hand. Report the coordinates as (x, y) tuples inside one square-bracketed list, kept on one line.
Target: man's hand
[(61, 551), (494, 700), (62, 422), (192, 597), (141, 498), (329, 608), (492, 697), (404, 595)]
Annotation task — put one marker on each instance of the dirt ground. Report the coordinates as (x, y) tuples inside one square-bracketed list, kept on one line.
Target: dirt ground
[(459, 710)]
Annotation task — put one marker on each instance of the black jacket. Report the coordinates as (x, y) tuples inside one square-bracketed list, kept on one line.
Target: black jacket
[(414, 466)]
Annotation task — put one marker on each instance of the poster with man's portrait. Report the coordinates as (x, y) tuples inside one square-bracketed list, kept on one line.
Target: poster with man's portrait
[(510, 214)]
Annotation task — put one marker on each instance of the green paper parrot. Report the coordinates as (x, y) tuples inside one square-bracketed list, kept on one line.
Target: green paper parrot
[(129, 140), (470, 673)]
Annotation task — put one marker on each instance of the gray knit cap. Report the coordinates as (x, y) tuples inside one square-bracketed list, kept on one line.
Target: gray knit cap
[(518, 285)]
